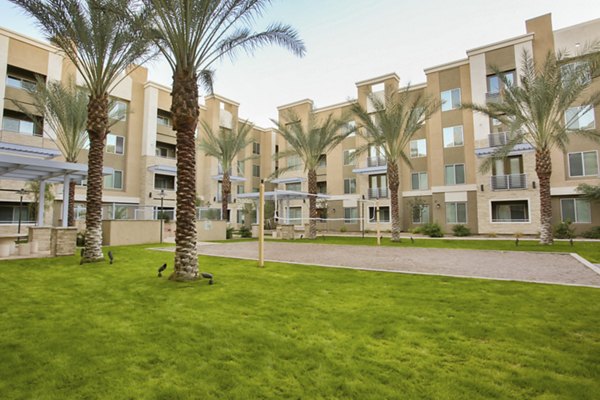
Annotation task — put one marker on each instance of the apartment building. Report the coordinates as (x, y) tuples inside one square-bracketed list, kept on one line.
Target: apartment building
[(444, 183), (140, 148)]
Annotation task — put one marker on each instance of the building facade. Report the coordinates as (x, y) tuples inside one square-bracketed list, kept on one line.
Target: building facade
[(444, 183)]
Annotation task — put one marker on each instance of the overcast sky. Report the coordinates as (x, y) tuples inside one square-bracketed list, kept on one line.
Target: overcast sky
[(354, 40)]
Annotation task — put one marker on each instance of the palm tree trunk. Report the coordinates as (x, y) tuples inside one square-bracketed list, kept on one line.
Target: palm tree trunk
[(225, 192), (394, 183), (185, 119), (312, 204), (543, 168), (71, 212), (97, 127)]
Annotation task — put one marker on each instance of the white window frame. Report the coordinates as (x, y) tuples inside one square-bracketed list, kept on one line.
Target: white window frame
[(510, 200), (116, 144), (452, 130), (165, 189), (454, 167), (575, 200), (349, 185), (591, 111), (113, 180), (582, 164), (118, 109), (350, 157), (417, 143), (421, 220), (351, 219), (450, 106), (419, 174)]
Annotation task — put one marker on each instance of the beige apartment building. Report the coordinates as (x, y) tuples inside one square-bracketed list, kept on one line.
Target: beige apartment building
[(443, 184)]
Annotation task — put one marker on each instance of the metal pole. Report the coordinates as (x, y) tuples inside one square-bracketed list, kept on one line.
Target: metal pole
[(41, 205), (378, 227), (162, 198), (20, 212), (261, 225), (65, 203)]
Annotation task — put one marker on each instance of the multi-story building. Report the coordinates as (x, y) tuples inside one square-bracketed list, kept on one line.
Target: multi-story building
[(140, 148), (444, 183)]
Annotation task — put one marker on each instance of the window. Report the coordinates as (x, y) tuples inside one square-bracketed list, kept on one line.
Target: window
[(322, 161), (580, 118), (9, 213), (350, 127), (255, 148), (350, 186), (456, 213), (118, 110), (114, 181), (241, 167), (115, 144), (418, 148), (453, 136), (294, 162), (163, 118), (20, 83), (494, 83), (240, 189), (419, 181), (510, 211), (455, 174), (295, 215), (450, 99), (583, 164), (575, 210), (420, 214), (384, 214), (256, 171), (296, 186), (378, 186), (350, 215), (165, 150), (322, 187), (349, 157), (166, 182), (19, 125), (577, 70)]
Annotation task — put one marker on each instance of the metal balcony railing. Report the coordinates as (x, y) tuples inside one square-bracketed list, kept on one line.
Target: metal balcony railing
[(378, 193), (509, 182), (376, 161), (493, 97), (501, 138)]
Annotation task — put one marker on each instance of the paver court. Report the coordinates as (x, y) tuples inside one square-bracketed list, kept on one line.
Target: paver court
[(560, 268)]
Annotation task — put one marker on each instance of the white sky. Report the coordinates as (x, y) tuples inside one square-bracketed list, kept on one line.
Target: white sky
[(353, 40)]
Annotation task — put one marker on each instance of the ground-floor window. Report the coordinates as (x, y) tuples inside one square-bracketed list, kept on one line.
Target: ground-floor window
[(456, 213), (510, 211), (295, 215), (576, 210), (350, 215), (166, 182), (9, 213), (384, 214), (420, 214)]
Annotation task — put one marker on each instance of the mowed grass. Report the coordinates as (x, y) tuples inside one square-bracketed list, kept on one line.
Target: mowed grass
[(589, 250), (288, 332)]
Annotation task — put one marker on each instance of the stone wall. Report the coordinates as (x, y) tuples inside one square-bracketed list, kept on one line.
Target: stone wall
[(42, 236), (63, 241)]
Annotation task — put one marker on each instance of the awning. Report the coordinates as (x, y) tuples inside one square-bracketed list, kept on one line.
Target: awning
[(518, 149), (371, 170), (12, 148), (288, 180), (163, 169), (232, 178), (282, 195)]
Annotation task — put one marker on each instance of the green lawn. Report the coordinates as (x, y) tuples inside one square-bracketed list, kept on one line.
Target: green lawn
[(288, 332), (589, 250)]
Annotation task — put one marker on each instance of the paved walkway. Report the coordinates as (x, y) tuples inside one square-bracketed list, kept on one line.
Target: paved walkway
[(504, 265)]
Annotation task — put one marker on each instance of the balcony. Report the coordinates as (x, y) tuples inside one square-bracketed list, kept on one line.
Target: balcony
[(376, 161), (501, 138), (378, 193), (493, 97), (509, 182), (219, 197)]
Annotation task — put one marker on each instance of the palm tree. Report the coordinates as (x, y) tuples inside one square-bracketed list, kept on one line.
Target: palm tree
[(64, 108), (390, 127), (193, 35), (103, 39), (224, 146), (309, 142), (535, 111)]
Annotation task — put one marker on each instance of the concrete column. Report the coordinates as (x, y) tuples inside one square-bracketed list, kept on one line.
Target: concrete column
[(41, 205), (65, 204)]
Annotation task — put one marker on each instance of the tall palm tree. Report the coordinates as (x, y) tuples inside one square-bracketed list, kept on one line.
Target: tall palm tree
[(309, 142), (391, 126), (225, 145), (193, 35), (535, 112), (64, 108), (103, 39)]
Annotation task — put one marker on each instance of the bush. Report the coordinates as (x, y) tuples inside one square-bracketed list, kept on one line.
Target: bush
[(433, 230), (245, 232), (417, 230), (461, 230), (343, 229), (593, 233), (564, 230), (229, 233), (80, 241)]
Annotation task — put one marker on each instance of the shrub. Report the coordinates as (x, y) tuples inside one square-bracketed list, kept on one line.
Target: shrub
[(417, 230), (80, 241), (433, 230), (492, 235), (461, 230), (593, 233), (245, 232), (343, 229), (564, 230), (229, 233)]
